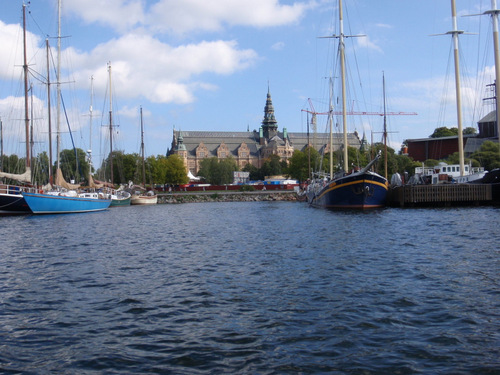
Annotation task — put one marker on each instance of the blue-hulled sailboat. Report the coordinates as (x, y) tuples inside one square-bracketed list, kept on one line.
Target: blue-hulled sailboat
[(67, 198)]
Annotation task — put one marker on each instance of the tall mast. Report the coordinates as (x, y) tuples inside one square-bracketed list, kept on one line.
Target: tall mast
[(455, 32), (385, 127), (51, 178), (142, 153), (26, 111), (342, 74), (110, 125), (494, 17), (90, 125), (1, 144), (331, 128), (58, 75)]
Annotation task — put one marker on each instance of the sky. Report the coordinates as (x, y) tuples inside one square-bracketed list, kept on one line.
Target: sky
[(208, 65)]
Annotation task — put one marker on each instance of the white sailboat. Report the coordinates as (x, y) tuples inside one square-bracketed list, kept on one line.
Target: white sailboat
[(149, 197)]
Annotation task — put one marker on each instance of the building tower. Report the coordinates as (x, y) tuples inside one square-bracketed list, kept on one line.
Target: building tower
[(269, 123)]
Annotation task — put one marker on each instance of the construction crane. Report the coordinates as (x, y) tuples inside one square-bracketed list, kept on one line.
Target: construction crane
[(331, 112)]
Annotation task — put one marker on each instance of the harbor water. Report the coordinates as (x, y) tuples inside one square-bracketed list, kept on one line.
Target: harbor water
[(251, 288)]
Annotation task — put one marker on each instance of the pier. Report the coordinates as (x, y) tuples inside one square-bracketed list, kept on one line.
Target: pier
[(440, 195)]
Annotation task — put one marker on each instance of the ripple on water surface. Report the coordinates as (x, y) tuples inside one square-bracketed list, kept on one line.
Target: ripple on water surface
[(261, 287)]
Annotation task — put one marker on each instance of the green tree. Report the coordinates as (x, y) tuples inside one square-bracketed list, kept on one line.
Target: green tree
[(175, 171), (253, 170), (444, 132), (271, 167), (469, 130), (217, 172), (455, 159), (298, 166), (40, 168), (488, 155), (72, 170)]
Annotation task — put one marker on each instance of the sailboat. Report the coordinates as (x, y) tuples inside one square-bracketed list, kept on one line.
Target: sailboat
[(66, 199), (143, 198), (118, 197), (11, 199), (360, 189)]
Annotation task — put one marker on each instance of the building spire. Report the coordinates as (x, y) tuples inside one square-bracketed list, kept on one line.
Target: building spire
[(269, 123)]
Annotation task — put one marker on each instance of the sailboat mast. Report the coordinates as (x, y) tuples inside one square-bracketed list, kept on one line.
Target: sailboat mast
[(342, 74), (385, 127), (90, 125), (331, 128), (51, 178), (494, 17), (26, 111), (455, 32), (142, 153), (110, 125), (58, 75)]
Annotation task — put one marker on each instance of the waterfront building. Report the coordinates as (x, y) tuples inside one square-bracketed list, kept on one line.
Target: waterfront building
[(442, 147), (250, 147)]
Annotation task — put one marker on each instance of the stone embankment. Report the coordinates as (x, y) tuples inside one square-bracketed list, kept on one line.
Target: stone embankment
[(173, 198)]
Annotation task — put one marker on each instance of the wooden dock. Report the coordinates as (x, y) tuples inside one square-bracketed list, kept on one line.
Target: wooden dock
[(442, 195)]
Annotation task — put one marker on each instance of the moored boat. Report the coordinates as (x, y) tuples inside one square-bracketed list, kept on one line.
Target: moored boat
[(62, 204), (11, 199), (144, 199), (360, 189)]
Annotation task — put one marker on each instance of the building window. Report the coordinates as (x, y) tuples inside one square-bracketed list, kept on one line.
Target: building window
[(222, 154), (243, 154), (201, 154)]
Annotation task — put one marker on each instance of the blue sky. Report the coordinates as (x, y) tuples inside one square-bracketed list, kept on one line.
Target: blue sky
[(207, 65)]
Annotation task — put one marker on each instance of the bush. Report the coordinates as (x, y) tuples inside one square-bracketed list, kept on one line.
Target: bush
[(247, 188)]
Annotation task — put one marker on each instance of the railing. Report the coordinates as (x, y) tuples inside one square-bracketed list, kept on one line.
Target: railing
[(15, 189)]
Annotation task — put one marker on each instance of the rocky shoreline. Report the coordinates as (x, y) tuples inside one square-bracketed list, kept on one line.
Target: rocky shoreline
[(225, 197)]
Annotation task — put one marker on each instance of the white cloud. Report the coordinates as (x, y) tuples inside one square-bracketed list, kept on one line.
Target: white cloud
[(365, 42), (142, 66), (121, 15), (278, 46), (181, 17)]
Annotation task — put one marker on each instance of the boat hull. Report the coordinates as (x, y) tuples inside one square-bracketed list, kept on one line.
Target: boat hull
[(12, 201), (356, 191), (144, 199), (56, 204), (120, 202), (120, 198)]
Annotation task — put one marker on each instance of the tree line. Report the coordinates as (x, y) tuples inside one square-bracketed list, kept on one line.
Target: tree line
[(170, 170), (75, 166)]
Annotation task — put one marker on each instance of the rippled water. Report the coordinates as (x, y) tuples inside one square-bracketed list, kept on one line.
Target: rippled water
[(260, 288)]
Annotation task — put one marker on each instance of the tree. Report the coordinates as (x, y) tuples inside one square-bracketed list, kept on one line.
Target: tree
[(72, 170), (41, 169), (217, 172), (444, 132), (488, 155), (175, 171), (253, 170), (298, 166), (271, 166), (455, 159)]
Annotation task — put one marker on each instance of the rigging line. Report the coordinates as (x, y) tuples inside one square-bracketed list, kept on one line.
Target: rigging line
[(36, 23), (71, 135)]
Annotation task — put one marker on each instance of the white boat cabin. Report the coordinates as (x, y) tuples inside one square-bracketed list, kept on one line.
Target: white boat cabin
[(444, 173)]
